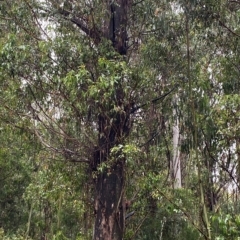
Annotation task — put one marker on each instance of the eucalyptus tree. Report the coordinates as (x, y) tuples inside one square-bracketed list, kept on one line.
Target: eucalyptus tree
[(104, 84), (73, 67)]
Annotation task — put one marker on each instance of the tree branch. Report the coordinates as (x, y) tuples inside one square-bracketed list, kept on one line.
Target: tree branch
[(154, 101), (226, 27), (232, 1), (93, 33)]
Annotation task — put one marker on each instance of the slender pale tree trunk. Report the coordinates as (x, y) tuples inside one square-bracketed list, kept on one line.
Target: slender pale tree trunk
[(176, 162)]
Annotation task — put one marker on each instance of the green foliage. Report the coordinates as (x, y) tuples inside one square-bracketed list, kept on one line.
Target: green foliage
[(226, 226), (56, 80), (4, 236), (15, 170), (53, 194)]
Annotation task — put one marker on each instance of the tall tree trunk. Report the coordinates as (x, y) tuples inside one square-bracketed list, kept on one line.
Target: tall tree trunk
[(109, 204), (176, 163), (109, 182), (113, 130)]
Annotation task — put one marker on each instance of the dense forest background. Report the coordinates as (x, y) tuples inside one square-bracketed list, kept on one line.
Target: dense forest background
[(119, 119)]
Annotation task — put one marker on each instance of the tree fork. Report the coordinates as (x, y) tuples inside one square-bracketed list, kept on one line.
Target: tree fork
[(109, 182)]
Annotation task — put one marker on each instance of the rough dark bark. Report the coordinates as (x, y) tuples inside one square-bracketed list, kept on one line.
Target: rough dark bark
[(118, 26), (109, 204), (109, 183)]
